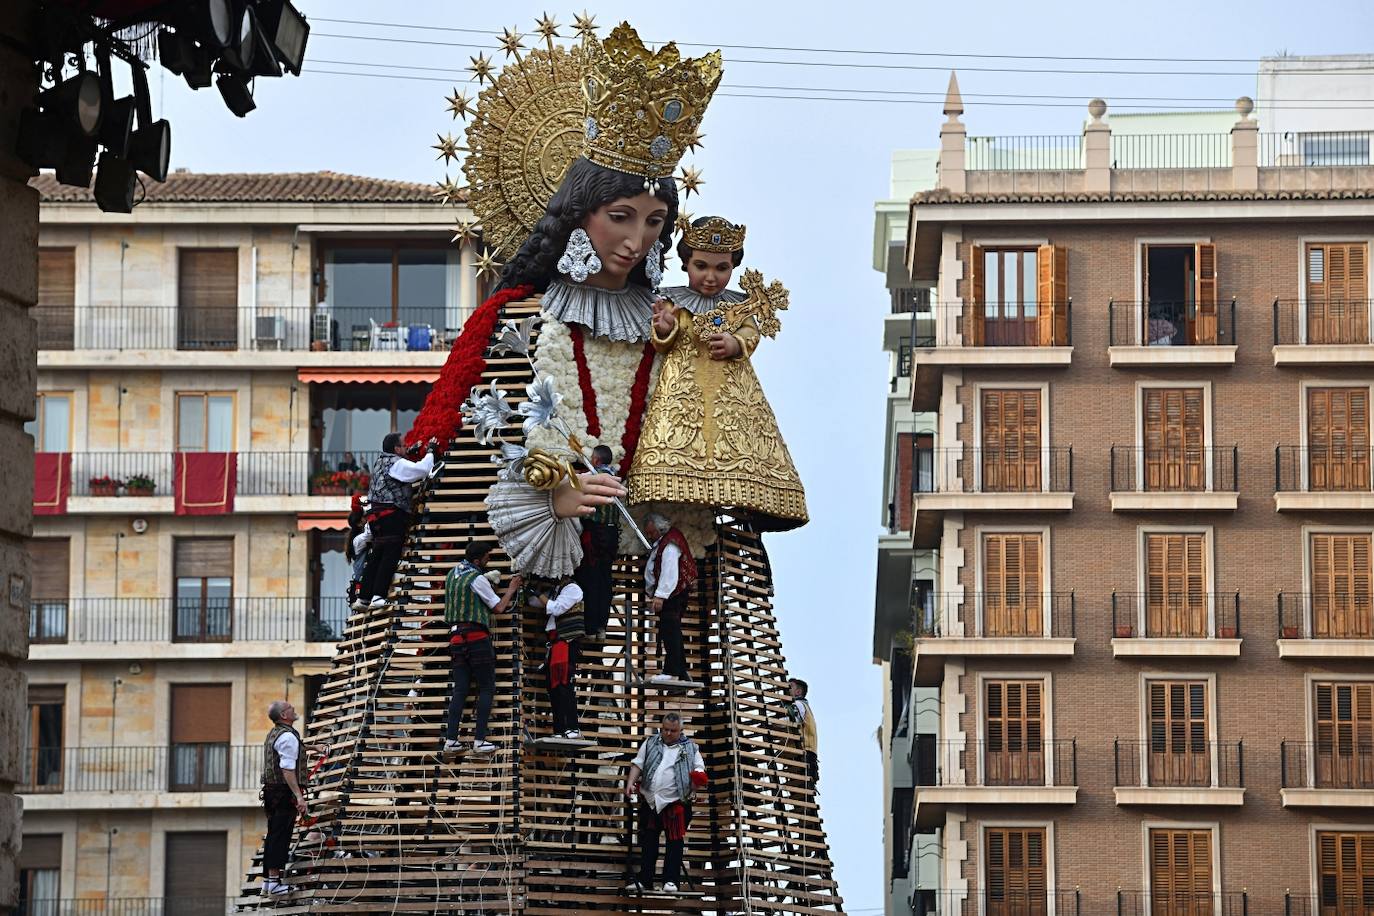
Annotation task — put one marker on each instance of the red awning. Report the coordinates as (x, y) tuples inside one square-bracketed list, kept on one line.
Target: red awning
[(322, 521), (370, 376)]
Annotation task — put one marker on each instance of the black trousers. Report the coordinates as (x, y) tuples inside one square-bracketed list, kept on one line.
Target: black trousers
[(670, 631), (388, 540), (650, 828), (594, 575), (563, 698), (471, 662), (280, 806), (813, 768)]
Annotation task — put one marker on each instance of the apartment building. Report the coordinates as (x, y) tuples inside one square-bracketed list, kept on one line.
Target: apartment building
[(216, 371), (1147, 484)]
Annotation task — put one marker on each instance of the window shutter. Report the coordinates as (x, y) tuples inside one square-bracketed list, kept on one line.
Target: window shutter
[(200, 713), (1192, 473), (205, 558), (1194, 598), (1012, 574), (1052, 293), (1014, 731), (1011, 440), (1341, 586), (195, 870), (1179, 731), (51, 564), (1337, 293), (40, 850), (47, 694), (207, 298), (1345, 862), (1015, 870), (1181, 871), (1206, 324), (55, 312), (1338, 438), (1174, 438), (975, 298), (1176, 583)]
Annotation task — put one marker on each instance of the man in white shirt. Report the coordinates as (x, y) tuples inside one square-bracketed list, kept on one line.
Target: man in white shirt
[(389, 498), (283, 792), (565, 628), (665, 774), (669, 573)]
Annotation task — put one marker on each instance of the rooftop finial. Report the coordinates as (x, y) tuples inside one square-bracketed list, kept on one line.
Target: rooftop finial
[(1096, 109), (954, 103), (1245, 105)]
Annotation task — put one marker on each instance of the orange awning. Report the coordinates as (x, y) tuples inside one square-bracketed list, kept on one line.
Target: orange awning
[(371, 376), (322, 521)]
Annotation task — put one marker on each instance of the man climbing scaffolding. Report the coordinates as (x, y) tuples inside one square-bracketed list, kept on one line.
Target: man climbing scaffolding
[(669, 573), (564, 628), (469, 602), (665, 774), (389, 498)]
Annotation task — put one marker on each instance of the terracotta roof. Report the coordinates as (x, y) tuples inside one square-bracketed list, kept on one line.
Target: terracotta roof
[(942, 196), (258, 187)]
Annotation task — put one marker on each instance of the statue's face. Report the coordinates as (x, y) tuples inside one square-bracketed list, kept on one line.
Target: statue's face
[(622, 232), (708, 272)]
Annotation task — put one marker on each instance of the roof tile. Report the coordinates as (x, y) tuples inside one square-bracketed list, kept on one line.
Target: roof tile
[(257, 187)]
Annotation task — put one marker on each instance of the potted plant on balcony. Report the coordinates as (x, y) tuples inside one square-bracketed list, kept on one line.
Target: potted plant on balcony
[(105, 485), (1125, 631), (1290, 631), (139, 485), (1226, 631), (326, 483)]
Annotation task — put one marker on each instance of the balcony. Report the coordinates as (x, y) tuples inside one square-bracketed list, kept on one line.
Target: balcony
[(180, 776), (1007, 771), (125, 482), (1322, 479), (969, 479), (1330, 902), (1178, 770), (1203, 479), (1200, 625), (1334, 625), (1330, 333), (238, 627), (1002, 902), (991, 625), (1154, 333), (127, 906), (1181, 903), (1039, 335), (1333, 773)]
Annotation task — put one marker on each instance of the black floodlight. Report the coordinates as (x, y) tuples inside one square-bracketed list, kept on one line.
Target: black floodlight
[(198, 73), (210, 22), (150, 147), (236, 94), (114, 184), (286, 31), (239, 53), (174, 50), (77, 99), (77, 161)]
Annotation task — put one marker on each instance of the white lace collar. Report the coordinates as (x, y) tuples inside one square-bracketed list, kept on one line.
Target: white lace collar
[(695, 302), (616, 314)]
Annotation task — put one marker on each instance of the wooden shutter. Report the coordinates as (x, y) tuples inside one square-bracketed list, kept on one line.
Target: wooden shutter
[(1205, 325), (1345, 872), (1337, 293), (1181, 872), (1015, 872), (200, 713), (1013, 600), (1014, 733), (1011, 440), (1338, 439), (1052, 293), (204, 558), (195, 871), (1342, 586), (1344, 729), (1174, 437), (1179, 753), (51, 564), (55, 311), (1176, 585), (975, 298), (207, 298), (40, 850)]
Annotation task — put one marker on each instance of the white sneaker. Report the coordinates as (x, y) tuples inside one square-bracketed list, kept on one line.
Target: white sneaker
[(669, 887), (377, 601), (277, 887), (359, 604), (573, 734), (483, 747), (634, 887), (453, 747), (662, 679)]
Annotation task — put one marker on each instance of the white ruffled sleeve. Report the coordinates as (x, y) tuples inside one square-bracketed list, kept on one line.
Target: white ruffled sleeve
[(537, 541)]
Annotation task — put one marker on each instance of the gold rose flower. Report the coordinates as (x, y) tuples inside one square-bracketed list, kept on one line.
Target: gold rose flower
[(545, 470)]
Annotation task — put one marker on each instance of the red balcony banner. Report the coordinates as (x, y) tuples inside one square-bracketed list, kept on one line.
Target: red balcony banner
[(52, 482), (204, 482)]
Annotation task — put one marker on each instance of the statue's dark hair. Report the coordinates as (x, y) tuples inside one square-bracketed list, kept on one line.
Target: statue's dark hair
[(684, 251), (586, 187)]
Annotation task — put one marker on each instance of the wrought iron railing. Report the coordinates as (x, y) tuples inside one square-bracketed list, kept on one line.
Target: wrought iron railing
[(992, 324), (1171, 151), (1001, 902), (1006, 761), (1331, 902), (1316, 150), (1162, 323), (1325, 615), (1322, 469), (198, 767), (1322, 321), (298, 473), (996, 615), (166, 619), (126, 906), (1014, 469), (1175, 470), (1346, 761), (1026, 153), (904, 357), (1178, 761), (1172, 615), (1182, 903)]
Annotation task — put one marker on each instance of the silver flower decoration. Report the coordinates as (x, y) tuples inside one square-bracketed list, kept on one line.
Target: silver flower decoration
[(488, 412), (515, 336), (512, 460), (541, 409)]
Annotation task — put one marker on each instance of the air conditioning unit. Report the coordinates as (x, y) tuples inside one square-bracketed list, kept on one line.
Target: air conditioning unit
[(270, 329)]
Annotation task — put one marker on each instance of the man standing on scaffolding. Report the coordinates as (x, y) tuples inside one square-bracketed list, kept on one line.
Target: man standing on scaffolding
[(665, 775)]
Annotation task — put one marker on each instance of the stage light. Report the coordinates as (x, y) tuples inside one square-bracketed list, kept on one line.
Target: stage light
[(114, 184), (78, 100), (287, 32), (198, 73), (240, 51), (150, 147), (173, 50), (236, 94), (210, 21), (77, 160), (117, 126)]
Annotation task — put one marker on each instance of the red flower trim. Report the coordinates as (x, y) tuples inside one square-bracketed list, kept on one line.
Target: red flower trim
[(639, 394), (441, 416), (584, 381)]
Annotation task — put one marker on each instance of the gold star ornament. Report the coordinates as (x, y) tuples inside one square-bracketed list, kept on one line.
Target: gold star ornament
[(585, 25), (487, 265), (480, 68), (694, 141), (546, 27), (459, 105), (691, 180), (511, 41), (447, 147), (465, 232), (448, 191), (684, 221)]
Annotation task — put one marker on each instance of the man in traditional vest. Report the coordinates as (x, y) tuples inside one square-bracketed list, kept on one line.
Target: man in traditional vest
[(469, 602), (665, 774), (565, 628), (283, 792), (799, 710), (669, 574), (600, 544), (389, 498)]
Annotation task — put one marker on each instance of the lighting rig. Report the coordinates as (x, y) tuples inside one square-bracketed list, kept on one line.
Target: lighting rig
[(76, 119)]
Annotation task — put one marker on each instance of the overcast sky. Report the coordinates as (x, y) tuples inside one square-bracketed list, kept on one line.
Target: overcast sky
[(803, 175)]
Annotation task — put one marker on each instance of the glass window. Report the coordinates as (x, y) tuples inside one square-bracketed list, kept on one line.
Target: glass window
[(360, 278), (355, 417), (1337, 148), (205, 422), (52, 424), (43, 739)]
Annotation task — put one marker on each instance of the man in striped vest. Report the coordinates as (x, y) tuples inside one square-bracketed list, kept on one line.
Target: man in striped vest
[(669, 574), (565, 628), (283, 792), (469, 602), (389, 500)]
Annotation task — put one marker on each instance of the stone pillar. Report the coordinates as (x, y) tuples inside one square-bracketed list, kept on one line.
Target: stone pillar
[(18, 354), (1097, 150), (1245, 148), (952, 139)]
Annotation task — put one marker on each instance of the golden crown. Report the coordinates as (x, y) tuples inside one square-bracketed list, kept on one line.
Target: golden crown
[(714, 234), (644, 107)]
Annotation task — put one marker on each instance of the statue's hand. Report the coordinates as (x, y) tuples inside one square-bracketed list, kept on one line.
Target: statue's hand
[(724, 346), (596, 490), (665, 317)]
